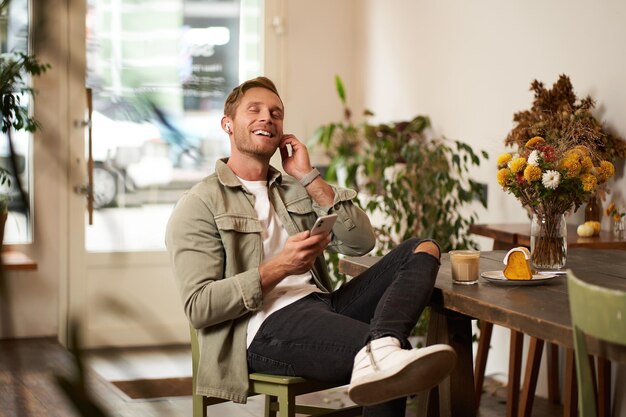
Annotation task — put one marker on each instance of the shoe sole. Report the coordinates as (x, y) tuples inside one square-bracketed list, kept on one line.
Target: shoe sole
[(429, 368)]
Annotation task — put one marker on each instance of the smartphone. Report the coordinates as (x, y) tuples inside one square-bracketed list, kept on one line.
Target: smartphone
[(324, 224)]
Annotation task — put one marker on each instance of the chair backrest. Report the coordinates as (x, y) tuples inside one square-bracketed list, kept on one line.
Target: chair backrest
[(600, 313)]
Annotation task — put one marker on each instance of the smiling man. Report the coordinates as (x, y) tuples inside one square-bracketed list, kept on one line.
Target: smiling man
[(255, 285)]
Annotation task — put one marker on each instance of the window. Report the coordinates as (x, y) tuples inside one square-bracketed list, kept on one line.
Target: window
[(160, 72), (14, 29)]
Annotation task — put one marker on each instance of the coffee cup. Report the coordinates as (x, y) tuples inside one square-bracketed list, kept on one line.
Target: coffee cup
[(465, 265)]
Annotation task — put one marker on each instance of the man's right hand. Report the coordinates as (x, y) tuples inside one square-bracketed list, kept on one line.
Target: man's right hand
[(297, 257)]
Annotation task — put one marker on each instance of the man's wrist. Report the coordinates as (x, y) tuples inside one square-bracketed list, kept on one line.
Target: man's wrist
[(270, 275), (309, 177)]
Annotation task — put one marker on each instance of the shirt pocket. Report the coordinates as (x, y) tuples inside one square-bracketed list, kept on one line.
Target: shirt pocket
[(302, 213), (242, 242), (240, 224)]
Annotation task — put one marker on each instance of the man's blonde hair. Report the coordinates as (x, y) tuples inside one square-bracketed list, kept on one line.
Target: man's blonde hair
[(234, 98)]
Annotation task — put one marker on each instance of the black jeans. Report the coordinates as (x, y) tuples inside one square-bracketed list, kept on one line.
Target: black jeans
[(319, 335)]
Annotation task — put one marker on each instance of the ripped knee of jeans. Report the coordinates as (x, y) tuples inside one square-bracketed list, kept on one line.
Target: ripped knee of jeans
[(429, 247)]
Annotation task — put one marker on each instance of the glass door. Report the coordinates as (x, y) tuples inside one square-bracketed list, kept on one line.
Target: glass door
[(158, 73)]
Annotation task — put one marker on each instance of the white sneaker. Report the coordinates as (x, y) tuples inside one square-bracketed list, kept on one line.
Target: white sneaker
[(383, 371)]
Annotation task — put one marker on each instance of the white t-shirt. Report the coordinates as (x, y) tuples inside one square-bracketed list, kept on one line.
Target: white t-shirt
[(274, 235)]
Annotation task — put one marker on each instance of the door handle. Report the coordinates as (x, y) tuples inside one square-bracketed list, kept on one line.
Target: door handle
[(87, 189), (82, 189)]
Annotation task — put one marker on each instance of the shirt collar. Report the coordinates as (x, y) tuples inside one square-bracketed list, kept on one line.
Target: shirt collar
[(227, 177)]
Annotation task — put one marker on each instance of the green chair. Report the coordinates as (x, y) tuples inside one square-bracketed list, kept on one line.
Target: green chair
[(280, 393), (600, 313)]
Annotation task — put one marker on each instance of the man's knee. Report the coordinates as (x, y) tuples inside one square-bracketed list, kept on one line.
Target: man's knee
[(428, 247)]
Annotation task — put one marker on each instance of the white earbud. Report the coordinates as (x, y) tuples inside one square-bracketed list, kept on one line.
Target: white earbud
[(227, 127)]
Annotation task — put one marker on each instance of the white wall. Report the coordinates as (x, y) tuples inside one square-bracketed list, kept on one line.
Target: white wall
[(319, 43), (469, 65)]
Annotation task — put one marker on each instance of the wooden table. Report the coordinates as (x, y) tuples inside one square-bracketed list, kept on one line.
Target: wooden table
[(539, 311), (508, 235)]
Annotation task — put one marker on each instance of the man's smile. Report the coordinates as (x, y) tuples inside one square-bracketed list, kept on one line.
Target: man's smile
[(262, 132)]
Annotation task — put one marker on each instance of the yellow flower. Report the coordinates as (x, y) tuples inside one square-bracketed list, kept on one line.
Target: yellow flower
[(613, 211), (573, 153), (583, 150), (534, 141), (605, 171), (590, 182), (517, 164), (571, 165), (610, 209), (504, 159), (502, 176), (532, 173), (586, 164)]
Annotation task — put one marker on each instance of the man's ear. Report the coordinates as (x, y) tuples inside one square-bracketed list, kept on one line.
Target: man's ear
[(226, 125)]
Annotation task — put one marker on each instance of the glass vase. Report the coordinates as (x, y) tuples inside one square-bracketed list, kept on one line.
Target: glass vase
[(548, 241)]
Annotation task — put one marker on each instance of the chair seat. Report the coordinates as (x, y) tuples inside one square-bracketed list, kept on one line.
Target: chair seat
[(267, 384), (281, 390), (280, 393), (277, 379)]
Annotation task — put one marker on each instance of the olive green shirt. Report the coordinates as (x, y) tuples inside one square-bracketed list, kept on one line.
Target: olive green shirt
[(215, 245)]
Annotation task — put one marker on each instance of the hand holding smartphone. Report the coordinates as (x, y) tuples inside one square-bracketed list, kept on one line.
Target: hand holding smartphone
[(323, 224)]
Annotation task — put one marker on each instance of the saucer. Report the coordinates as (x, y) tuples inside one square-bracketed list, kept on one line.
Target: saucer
[(498, 278)]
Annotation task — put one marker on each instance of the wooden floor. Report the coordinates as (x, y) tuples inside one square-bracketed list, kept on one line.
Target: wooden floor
[(29, 388)]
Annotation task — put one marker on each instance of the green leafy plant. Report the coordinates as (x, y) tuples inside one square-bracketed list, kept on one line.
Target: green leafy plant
[(419, 185), (14, 67), (15, 70)]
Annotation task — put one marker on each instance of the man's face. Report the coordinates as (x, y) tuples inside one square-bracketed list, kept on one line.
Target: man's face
[(258, 123)]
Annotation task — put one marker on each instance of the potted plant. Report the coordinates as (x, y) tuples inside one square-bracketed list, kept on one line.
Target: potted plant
[(418, 184), (15, 69)]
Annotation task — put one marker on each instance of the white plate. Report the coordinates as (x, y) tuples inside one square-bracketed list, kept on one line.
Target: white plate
[(498, 278)]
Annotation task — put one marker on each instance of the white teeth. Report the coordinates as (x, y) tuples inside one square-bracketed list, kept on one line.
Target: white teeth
[(262, 132)]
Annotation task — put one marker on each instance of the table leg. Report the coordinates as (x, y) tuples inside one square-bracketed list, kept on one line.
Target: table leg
[(484, 340), (553, 373), (437, 333), (570, 395), (530, 378), (515, 370), (604, 387), (428, 403), (456, 330)]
